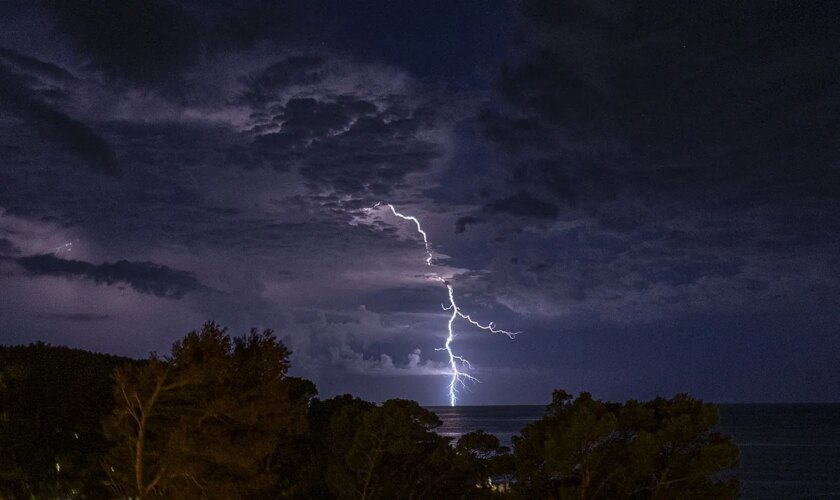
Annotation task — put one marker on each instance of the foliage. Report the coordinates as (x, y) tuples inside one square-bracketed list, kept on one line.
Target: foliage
[(488, 458), (308, 456), (392, 451), (219, 418), (205, 422), (661, 449), (51, 403)]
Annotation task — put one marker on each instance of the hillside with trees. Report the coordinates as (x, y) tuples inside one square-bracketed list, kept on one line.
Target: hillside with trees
[(219, 417), (52, 401)]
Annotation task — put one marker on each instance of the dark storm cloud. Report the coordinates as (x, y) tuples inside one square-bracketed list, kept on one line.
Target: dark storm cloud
[(251, 21), (54, 125), (140, 41), (462, 223), (631, 164), (350, 143), (375, 154), (667, 133), (673, 97), (257, 175), (188, 159), (426, 38), (414, 299), (295, 70), (307, 119), (33, 65), (7, 247), (523, 204), (144, 277)]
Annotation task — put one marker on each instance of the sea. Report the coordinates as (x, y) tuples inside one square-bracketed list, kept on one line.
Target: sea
[(788, 451)]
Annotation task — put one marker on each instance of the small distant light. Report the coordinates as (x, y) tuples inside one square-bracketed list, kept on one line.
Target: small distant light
[(76, 435), (57, 467)]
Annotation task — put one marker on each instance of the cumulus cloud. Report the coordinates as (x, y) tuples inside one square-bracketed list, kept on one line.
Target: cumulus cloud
[(384, 365)]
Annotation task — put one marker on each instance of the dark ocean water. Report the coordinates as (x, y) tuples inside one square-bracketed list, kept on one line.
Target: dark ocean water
[(787, 451)]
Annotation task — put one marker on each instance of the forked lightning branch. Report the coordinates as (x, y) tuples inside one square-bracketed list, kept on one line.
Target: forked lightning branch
[(457, 364)]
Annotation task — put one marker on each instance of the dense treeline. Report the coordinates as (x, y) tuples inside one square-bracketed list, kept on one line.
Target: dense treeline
[(52, 400), (219, 418)]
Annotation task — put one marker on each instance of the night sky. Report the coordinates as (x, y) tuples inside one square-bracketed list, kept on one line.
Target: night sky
[(650, 191)]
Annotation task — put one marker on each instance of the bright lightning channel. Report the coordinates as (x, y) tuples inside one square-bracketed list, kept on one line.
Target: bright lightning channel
[(67, 247), (458, 378)]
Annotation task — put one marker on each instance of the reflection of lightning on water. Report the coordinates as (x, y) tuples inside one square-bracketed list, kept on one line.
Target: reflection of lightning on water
[(459, 378)]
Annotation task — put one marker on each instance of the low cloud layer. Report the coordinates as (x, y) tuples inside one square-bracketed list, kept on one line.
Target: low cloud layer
[(144, 277)]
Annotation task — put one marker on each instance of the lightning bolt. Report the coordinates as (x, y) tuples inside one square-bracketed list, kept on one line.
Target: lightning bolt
[(458, 378), (67, 247)]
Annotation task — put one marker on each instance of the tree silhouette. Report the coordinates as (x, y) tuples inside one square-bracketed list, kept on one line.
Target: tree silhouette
[(51, 402), (205, 422), (661, 449), (391, 451), (219, 418)]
